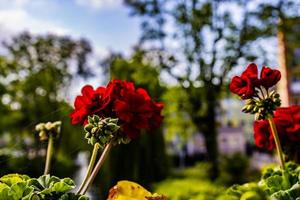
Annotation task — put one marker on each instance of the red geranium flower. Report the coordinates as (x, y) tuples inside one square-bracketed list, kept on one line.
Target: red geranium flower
[(244, 85), (251, 73), (116, 88), (289, 119), (90, 102), (133, 107), (269, 77), (137, 111), (287, 122), (263, 136)]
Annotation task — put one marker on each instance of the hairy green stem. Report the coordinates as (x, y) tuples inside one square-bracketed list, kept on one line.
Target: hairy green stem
[(49, 155), (97, 168), (90, 167), (277, 141)]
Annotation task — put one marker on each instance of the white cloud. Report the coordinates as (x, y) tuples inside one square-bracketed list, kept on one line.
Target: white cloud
[(16, 20), (99, 4), (13, 3)]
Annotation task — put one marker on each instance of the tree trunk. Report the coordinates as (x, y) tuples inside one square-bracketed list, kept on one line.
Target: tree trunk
[(283, 86), (211, 134)]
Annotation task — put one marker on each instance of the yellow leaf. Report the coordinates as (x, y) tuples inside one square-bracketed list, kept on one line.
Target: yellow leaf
[(127, 190)]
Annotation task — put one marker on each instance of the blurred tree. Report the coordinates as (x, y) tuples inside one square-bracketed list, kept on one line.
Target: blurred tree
[(280, 19), (198, 43), (143, 160), (177, 120), (35, 75), (276, 20)]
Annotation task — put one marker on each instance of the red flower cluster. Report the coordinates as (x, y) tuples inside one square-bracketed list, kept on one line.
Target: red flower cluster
[(244, 85), (287, 122), (133, 107)]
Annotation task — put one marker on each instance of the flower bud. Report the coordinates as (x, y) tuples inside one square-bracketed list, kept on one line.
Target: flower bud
[(43, 135), (100, 130), (88, 127), (94, 130), (93, 140), (48, 129), (48, 126)]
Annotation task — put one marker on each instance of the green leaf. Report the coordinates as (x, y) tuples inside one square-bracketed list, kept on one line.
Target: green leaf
[(11, 179), (51, 187), (4, 194), (72, 196), (3, 186), (64, 185), (274, 183), (290, 194), (16, 192)]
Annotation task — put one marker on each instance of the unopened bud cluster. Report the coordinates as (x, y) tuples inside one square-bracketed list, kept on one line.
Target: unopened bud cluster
[(100, 130), (45, 130), (262, 107)]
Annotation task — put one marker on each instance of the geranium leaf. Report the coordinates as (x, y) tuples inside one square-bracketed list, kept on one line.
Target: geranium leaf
[(72, 196), (63, 186), (11, 179)]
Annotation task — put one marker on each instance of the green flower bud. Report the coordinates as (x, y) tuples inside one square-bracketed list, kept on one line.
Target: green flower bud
[(48, 129), (93, 140), (96, 118), (40, 127), (43, 135), (94, 130), (87, 135), (48, 126), (88, 127), (101, 130), (115, 121), (35, 197)]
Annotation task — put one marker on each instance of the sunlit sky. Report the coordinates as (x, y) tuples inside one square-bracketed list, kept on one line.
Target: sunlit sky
[(105, 23)]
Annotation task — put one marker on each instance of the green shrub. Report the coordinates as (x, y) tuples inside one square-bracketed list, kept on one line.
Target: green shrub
[(190, 184)]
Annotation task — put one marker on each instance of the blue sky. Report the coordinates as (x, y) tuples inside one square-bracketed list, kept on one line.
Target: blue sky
[(106, 23)]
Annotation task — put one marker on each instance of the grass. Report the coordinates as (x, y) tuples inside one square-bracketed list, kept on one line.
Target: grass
[(190, 184)]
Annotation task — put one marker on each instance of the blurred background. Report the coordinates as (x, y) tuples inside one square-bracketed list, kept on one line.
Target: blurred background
[(182, 51)]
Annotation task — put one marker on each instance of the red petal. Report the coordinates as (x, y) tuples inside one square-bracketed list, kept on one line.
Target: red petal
[(88, 91), (123, 111), (79, 102), (144, 93)]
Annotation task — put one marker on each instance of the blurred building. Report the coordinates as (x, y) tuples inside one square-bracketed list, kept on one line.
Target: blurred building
[(230, 140)]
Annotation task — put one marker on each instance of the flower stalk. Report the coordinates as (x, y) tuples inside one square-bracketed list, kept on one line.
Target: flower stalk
[(97, 167), (48, 131), (49, 155), (277, 141), (90, 167)]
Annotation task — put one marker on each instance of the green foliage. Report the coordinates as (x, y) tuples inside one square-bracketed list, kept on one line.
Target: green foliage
[(35, 76), (46, 187), (177, 120), (143, 160), (47, 184), (209, 44), (234, 169), (248, 191), (139, 68), (11, 179), (275, 184), (191, 183)]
